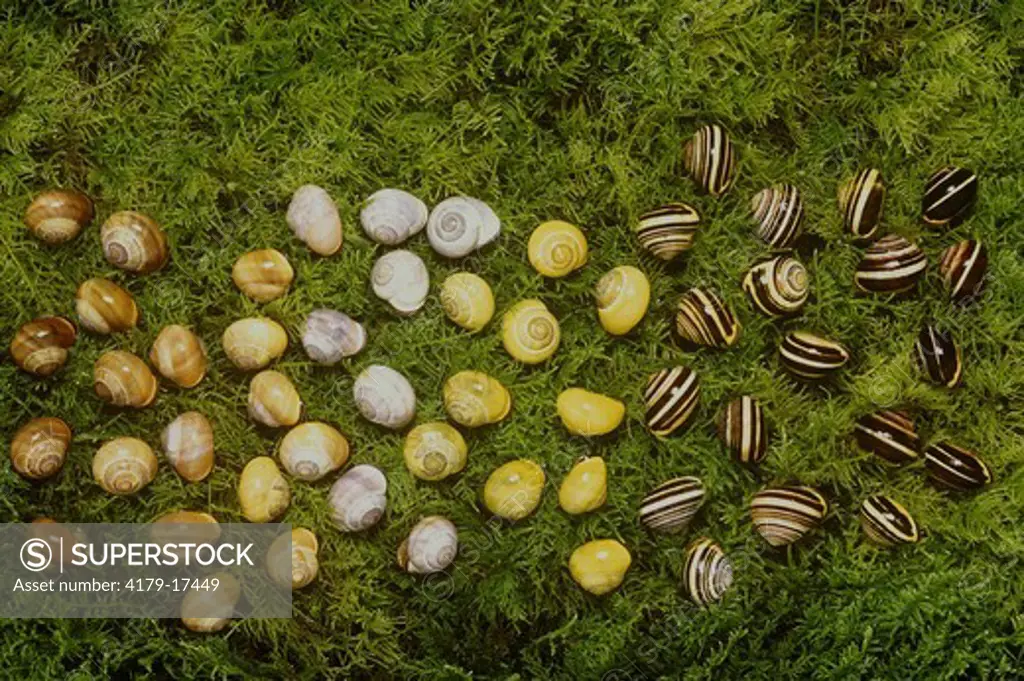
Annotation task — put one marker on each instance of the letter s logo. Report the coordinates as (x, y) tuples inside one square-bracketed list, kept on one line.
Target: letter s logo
[(36, 555)]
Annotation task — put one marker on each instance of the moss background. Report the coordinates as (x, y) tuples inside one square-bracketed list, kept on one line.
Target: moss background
[(207, 116)]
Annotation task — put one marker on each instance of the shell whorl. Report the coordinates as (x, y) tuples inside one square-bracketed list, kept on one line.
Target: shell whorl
[(134, 242), (433, 451), (472, 398), (331, 336), (557, 248), (401, 278), (461, 224), (391, 216), (358, 498), (124, 465), (384, 396), (39, 448), (467, 300), (431, 546), (124, 380), (531, 332)]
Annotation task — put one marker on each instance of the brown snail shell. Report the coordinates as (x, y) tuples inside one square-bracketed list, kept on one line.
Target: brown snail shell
[(40, 447), (58, 215), (254, 342), (312, 450), (263, 275), (178, 527), (179, 356), (188, 443), (124, 465), (273, 400), (262, 491), (124, 380), (41, 346), (55, 534), (210, 611), (297, 567), (105, 307), (134, 242)]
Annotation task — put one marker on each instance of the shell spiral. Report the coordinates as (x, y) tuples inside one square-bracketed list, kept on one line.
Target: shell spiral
[(530, 332), (331, 336), (467, 300), (312, 450), (778, 287), (433, 451), (459, 225), (39, 448), (430, 547), (623, 295), (41, 346), (779, 212), (707, 573), (391, 216), (124, 380), (557, 248), (124, 465), (358, 498), (384, 397), (473, 399), (134, 242), (401, 279)]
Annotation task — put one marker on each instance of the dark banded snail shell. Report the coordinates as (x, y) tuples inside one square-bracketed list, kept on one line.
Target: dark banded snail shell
[(667, 231), (707, 572), (711, 160), (886, 522), (671, 396), (41, 346), (782, 515), (742, 429), (671, 505), (939, 356), (779, 212), (813, 357), (889, 434), (949, 196), (860, 199), (890, 265), (962, 267), (778, 287), (955, 468), (703, 318)]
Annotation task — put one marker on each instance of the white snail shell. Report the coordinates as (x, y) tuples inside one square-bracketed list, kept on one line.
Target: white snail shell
[(312, 450), (188, 443), (314, 218), (358, 498), (391, 216), (331, 336), (400, 278), (385, 397), (460, 225), (430, 547)]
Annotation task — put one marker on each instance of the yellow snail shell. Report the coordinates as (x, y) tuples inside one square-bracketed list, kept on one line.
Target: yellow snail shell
[(210, 611), (40, 447), (254, 342), (587, 413), (460, 225), (124, 465), (600, 566), (401, 279), (585, 488), (124, 380), (472, 399), (513, 490), (384, 396), (179, 356), (105, 307), (430, 547), (273, 400), (622, 299), (41, 346), (262, 491), (467, 300), (134, 242), (188, 443), (295, 568), (180, 527), (358, 498), (312, 450), (433, 451), (314, 218), (263, 275), (557, 248), (391, 216), (58, 215), (530, 333), (331, 336)]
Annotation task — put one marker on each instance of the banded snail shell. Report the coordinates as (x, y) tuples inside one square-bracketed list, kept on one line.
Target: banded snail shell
[(262, 491), (134, 242), (291, 559), (385, 397), (703, 318), (779, 212), (887, 523), (188, 443), (812, 357), (331, 336), (124, 465), (672, 505), (938, 355), (210, 611), (433, 451), (312, 450), (514, 489), (623, 295), (467, 300), (890, 265), (460, 225), (254, 342), (263, 275), (949, 196), (41, 346), (474, 399), (530, 333), (105, 307), (743, 431), (600, 566), (671, 395), (778, 287), (890, 435), (585, 487), (557, 248), (860, 200), (710, 158), (588, 413), (400, 278), (358, 498), (391, 216), (58, 215), (123, 380), (667, 231), (962, 267), (430, 547), (314, 218), (955, 468), (707, 573), (273, 400), (179, 356), (783, 515), (40, 447)]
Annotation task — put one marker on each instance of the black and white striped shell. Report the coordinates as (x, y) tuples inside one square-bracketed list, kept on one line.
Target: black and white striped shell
[(710, 158), (938, 355), (890, 265), (860, 200), (743, 431), (461, 224), (778, 287), (703, 318), (667, 231), (707, 573), (887, 523), (390, 216), (810, 356), (779, 212), (955, 468), (783, 515), (671, 395), (962, 267), (331, 336), (672, 504), (949, 196), (889, 434)]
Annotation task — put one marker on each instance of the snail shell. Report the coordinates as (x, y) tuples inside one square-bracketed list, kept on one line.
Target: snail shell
[(890, 265), (291, 559), (105, 307), (459, 225), (273, 400), (467, 300), (41, 346), (667, 231), (671, 395), (949, 196), (40, 447), (938, 355), (889, 434), (391, 216), (385, 397), (55, 534), (400, 278), (812, 357), (600, 566), (783, 515), (962, 268), (557, 248), (188, 443), (254, 342), (585, 488), (433, 451), (887, 523), (58, 215), (860, 200), (180, 527), (703, 318), (743, 431), (134, 242), (513, 490), (622, 299), (210, 611), (179, 356), (530, 333), (124, 465), (430, 547), (358, 498), (314, 218), (312, 450), (779, 212), (123, 380), (671, 505), (711, 160), (586, 413), (473, 399), (778, 287), (262, 491), (707, 573), (263, 275), (331, 336), (955, 468)]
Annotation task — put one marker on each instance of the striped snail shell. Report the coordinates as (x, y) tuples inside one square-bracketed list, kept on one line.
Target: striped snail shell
[(710, 159), (949, 196), (314, 218), (124, 465), (585, 487), (953, 467), (703, 318), (263, 275), (433, 451), (671, 505), (384, 397), (188, 443), (890, 265), (58, 215), (123, 380), (211, 611), (557, 248), (623, 295), (513, 490), (254, 342), (938, 355), (778, 287), (783, 515), (667, 231), (358, 498), (401, 279), (962, 267), (600, 566), (779, 212), (105, 307), (743, 431), (707, 573), (41, 346), (461, 224), (473, 399), (40, 447), (331, 336), (430, 547), (889, 434), (588, 413), (179, 356), (671, 395), (391, 216), (887, 523), (530, 333), (860, 199), (273, 399), (811, 357), (467, 300), (263, 492), (291, 559), (134, 242), (312, 450)]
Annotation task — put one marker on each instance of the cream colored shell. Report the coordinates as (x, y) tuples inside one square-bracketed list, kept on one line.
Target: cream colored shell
[(513, 490), (400, 278), (330, 336), (600, 566), (585, 488), (292, 560), (273, 400), (41, 346), (105, 307), (179, 356), (461, 224), (467, 300), (623, 295), (312, 450), (188, 443), (557, 248), (263, 275), (314, 218), (391, 216), (384, 397), (433, 451), (358, 498), (587, 413), (262, 491), (179, 527), (210, 611), (430, 547), (134, 242), (124, 465), (472, 399), (40, 447), (530, 333), (254, 342), (124, 380)]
